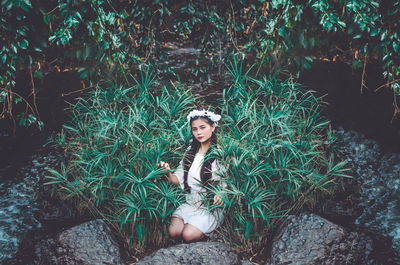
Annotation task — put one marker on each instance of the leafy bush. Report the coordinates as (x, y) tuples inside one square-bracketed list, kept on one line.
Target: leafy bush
[(279, 154), (21, 43), (273, 144), (113, 144)]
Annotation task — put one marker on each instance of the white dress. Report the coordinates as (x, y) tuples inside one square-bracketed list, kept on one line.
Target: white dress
[(193, 212)]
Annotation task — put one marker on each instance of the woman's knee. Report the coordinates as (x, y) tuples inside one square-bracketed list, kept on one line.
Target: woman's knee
[(175, 228), (191, 234), (173, 231)]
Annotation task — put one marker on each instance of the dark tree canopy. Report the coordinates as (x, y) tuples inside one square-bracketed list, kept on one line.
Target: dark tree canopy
[(110, 39)]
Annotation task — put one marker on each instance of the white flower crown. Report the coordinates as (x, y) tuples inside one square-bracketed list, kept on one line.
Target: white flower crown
[(204, 113)]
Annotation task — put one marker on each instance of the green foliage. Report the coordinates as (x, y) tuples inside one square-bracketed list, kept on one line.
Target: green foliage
[(278, 153), (273, 144), (107, 39), (292, 34), (114, 142), (18, 47)]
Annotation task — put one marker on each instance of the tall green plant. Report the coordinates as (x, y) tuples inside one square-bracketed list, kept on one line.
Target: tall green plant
[(278, 154), (115, 140), (273, 145)]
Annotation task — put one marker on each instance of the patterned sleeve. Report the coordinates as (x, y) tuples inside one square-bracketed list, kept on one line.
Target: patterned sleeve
[(218, 171), (179, 174)]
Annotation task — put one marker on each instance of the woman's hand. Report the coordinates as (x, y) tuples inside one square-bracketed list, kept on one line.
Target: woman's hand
[(165, 165), (218, 200), (171, 177)]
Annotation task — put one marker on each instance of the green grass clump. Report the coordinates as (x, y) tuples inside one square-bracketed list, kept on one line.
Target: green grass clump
[(273, 142), (278, 151), (113, 144)]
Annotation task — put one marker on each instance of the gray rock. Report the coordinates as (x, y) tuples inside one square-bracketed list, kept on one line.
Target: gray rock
[(194, 253), (310, 239), (377, 184), (88, 243), (246, 262)]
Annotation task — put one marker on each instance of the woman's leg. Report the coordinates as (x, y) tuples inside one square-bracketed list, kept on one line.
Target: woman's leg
[(191, 233), (176, 227)]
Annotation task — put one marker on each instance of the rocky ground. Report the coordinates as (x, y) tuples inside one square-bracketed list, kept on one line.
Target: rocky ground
[(369, 200), (302, 239), (354, 227), (88, 243), (311, 239)]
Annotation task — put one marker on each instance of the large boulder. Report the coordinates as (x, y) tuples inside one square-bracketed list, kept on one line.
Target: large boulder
[(376, 186), (310, 239), (363, 157), (194, 253), (381, 200), (88, 243)]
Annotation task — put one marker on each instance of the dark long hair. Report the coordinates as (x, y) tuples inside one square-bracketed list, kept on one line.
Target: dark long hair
[(205, 171)]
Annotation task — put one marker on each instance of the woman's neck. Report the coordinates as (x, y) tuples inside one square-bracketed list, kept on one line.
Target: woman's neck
[(204, 147)]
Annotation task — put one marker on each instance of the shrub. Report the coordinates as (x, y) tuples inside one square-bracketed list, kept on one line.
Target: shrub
[(113, 144), (278, 151), (273, 143)]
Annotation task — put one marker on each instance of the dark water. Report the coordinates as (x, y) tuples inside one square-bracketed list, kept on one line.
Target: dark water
[(19, 180), (24, 161)]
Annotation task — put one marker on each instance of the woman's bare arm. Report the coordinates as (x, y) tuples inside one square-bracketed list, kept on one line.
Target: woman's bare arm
[(171, 177)]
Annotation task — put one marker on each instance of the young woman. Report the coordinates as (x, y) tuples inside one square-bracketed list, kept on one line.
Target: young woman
[(192, 220)]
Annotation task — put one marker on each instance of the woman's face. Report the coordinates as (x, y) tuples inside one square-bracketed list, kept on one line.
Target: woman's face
[(202, 130)]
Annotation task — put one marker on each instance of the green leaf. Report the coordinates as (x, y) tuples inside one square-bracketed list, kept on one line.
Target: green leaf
[(342, 24), (17, 99), (395, 46), (27, 5), (4, 58), (21, 32), (23, 44), (374, 32), (38, 74), (357, 64), (397, 91), (383, 36), (10, 4), (14, 48), (3, 95)]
